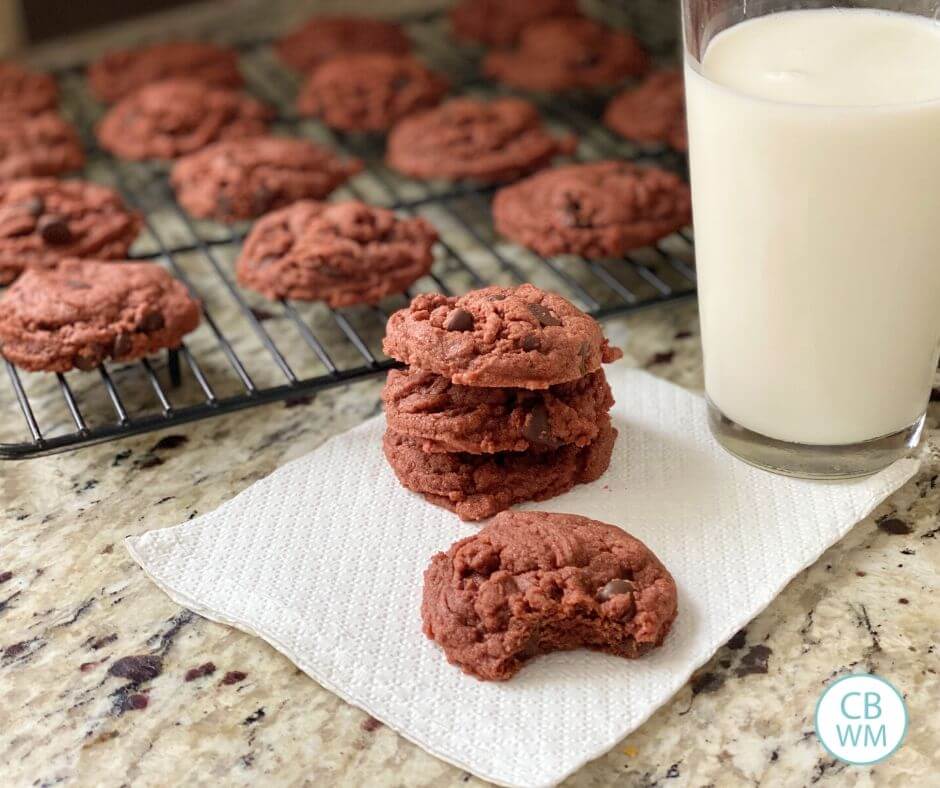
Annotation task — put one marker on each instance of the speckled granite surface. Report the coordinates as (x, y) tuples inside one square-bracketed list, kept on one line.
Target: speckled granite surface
[(72, 603)]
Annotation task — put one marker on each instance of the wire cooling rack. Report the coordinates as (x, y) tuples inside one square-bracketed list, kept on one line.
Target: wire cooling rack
[(249, 351)]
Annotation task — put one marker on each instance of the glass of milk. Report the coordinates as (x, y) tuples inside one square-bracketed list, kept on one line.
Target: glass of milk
[(814, 146)]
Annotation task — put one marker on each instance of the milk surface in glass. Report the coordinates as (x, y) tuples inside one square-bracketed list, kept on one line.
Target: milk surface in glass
[(815, 163)]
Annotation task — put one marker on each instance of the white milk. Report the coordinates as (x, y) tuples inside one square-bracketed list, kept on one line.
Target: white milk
[(815, 162)]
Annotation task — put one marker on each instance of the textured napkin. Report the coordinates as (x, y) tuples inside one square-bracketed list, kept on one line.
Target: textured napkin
[(324, 560)]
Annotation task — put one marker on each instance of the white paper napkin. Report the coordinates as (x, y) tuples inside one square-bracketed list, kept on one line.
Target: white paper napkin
[(324, 560)]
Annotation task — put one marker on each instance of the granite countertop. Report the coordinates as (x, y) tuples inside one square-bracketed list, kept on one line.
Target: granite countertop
[(225, 708), (72, 602)]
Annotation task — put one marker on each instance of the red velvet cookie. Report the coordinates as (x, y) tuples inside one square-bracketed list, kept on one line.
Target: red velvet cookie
[(343, 253), (24, 92), (477, 486), (242, 179), (82, 312), (563, 54), (43, 220), (530, 583), (165, 120), (117, 74), (445, 417), (498, 23), (652, 112), (520, 337), (601, 209), (324, 37), (42, 144), (369, 92), (487, 141)]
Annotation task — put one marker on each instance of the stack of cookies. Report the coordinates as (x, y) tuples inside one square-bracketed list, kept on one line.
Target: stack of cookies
[(504, 399)]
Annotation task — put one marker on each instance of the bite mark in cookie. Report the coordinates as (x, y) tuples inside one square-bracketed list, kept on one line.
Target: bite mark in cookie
[(445, 417), (477, 486), (117, 74), (42, 144), (530, 583), (564, 54), (468, 138), (520, 337), (343, 253), (369, 92), (498, 23), (324, 37), (43, 220), (242, 179), (168, 119), (601, 209), (652, 112), (25, 92), (82, 312)]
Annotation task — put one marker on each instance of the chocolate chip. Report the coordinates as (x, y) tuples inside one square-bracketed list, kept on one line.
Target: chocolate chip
[(151, 321), (584, 351), (895, 526), (613, 588), (537, 428), (530, 342), (122, 345), (54, 229), (543, 315), (138, 668), (459, 320), (86, 363)]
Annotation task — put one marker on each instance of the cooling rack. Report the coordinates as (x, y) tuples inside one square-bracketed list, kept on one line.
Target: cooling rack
[(249, 351)]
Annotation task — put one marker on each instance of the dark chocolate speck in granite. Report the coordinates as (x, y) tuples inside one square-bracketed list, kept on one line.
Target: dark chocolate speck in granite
[(138, 668), (370, 724), (104, 641), (205, 669), (148, 461), (672, 772), (256, 716), (4, 576), (170, 442), (894, 526), (135, 702), (663, 357), (754, 661), (15, 649), (707, 682), (738, 640), (233, 677)]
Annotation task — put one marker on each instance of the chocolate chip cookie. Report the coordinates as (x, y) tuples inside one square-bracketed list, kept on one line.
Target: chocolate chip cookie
[(344, 253), (369, 92), (564, 54), (601, 209), (242, 179), (25, 92), (468, 138), (445, 417), (42, 144), (43, 220), (117, 74), (499, 23), (168, 119), (520, 337), (324, 37), (477, 486), (82, 312), (530, 583), (653, 112)]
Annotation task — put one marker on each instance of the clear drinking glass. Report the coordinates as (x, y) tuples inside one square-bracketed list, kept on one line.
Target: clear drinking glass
[(814, 149)]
